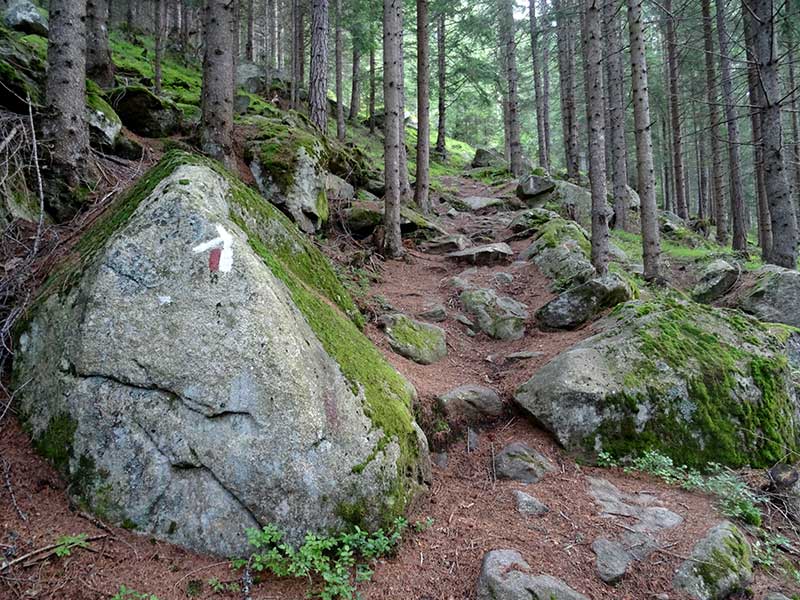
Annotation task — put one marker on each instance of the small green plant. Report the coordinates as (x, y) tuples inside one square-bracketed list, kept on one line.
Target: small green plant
[(736, 500), (126, 593), (336, 562), (67, 543), (222, 587), (765, 549), (605, 459), (421, 526)]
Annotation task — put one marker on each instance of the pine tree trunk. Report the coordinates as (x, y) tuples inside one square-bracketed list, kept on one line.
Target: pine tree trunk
[(702, 177), (129, 19), (677, 137), (372, 90), (158, 29), (248, 48), (441, 66), (65, 126), (185, 27), (272, 42), (712, 97), (781, 203), (546, 86), (739, 241), (296, 54), (339, 66), (644, 143), (99, 66), (393, 243), (616, 108), (405, 183), (217, 100), (422, 187), (566, 69), (794, 155), (318, 73), (537, 88), (510, 46), (595, 105), (355, 90)]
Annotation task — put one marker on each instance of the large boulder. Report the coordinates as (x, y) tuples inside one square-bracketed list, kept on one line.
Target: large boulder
[(561, 249), (196, 368), (363, 217), (696, 383), (144, 113), (421, 342), (506, 576), (488, 157), (717, 278), (500, 317), (577, 305), (531, 220), (251, 77), (773, 295), (22, 71), (483, 255), (26, 17), (470, 404), (531, 187), (720, 565)]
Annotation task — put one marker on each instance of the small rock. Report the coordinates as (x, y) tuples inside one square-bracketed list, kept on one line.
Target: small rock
[(577, 305), (530, 220), (483, 255), (506, 576), (423, 343), (520, 462), (465, 320), (612, 561), (503, 278), (445, 244), (488, 157), (479, 203), (717, 278), (720, 564), (456, 282), (439, 459), (524, 355), (473, 442), (776, 596), (337, 188), (24, 16), (470, 404), (531, 186), (435, 313), (528, 505)]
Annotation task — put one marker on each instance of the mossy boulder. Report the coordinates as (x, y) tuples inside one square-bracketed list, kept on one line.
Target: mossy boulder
[(144, 113), (26, 17), (531, 220), (534, 186), (22, 70), (363, 217), (488, 157), (421, 342), (561, 249), (500, 317), (773, 295), (721, 564), (716, 279), (195, 367), (577, 305), (696, 383)]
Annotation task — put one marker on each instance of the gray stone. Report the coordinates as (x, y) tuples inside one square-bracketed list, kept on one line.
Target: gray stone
[(720, 564), (421, 342), (506, 576), (473, 441), (25, 16), (524, 355), (502, 278), (479, 203), (500, 317), (529, 505), (520, 462), (470, 404), (188, 394), (612, 559), (464, 320), (773, 296), (439, 459), (445, 244), (436, 313), (483, 255), (488, 158), (581, 303), (649, 517), (337, 188), (776, 596), (716, 280), (105, 125), (144, 113), (241, 104), (618, 384), (251, 77), (531, 220), (533, 186), (561, 251)]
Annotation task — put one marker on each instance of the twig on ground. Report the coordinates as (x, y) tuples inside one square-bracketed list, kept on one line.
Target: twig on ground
[(7, 478), (46, 551)]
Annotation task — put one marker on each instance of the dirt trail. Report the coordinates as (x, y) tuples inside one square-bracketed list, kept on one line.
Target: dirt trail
[(472, 511)]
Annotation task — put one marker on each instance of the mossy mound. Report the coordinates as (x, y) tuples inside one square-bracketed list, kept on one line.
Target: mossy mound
[(22, 69), (696, 383), (421, 342), (145, 113)]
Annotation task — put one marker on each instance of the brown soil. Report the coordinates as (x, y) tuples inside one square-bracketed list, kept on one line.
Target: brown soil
[(472, 512)]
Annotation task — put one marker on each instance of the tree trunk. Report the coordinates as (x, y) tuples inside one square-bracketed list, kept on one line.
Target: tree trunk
[(296, 57), (405, 183), (158, 29), (422, 188), (185, 27), (702, 178), (99, 66), (339, 66), (392, 47), (537, 88), (546, 84), (129, 19), (217, 99), (301, 42), (441, 66), (510, 47), (644, 143), (318, 75), (595, 106), (732, 122), (372, 90), (781, 204), (566, 70), (355, 89), (712, 97), (794, 155), (272, 42), (248, 48), (65, 128), (677, 137), (616, 109)]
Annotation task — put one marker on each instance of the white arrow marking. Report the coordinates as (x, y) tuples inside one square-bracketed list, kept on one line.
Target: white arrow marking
[(225, 240)]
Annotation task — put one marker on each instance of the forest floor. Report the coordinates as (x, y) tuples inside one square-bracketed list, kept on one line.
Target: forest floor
[(472, 512)]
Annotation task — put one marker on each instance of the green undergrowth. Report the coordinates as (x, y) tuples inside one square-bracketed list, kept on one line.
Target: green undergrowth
[(716, 352)]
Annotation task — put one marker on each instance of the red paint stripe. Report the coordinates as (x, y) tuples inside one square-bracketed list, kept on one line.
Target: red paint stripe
[(213, 259)]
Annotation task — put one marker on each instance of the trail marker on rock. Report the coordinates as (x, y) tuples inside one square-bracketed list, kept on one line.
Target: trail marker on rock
[(221, 256)]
